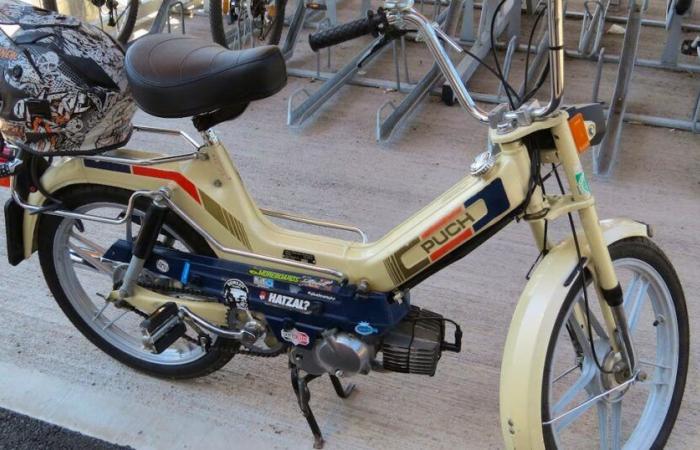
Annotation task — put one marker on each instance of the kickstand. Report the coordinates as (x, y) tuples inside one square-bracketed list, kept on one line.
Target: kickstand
[(343, 392), (301, 389)]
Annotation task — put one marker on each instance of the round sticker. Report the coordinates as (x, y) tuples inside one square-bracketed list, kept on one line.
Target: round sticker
[(236, 293)]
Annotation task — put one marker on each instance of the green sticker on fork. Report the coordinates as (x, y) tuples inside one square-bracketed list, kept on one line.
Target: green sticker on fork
[(582, 183)]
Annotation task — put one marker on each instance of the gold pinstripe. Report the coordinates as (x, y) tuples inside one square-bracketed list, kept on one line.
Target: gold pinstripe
[(233, 225)]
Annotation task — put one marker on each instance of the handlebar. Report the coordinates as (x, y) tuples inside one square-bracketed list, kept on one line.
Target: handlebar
[(401, 13), (373, 24)]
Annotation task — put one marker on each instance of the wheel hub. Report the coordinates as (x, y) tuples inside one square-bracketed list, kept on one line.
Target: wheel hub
[(615, 372)]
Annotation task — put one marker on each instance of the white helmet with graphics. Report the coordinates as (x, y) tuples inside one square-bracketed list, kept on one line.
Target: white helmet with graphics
[(63, 89)]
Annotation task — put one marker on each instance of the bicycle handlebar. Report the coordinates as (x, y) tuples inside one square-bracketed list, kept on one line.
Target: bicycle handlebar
[(399, 13), (372, 24)]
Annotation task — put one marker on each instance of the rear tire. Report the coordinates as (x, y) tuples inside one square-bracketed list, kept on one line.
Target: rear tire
[(50, 229)]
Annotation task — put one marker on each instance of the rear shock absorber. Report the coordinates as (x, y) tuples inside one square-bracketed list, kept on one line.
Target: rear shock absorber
[(146, 240)]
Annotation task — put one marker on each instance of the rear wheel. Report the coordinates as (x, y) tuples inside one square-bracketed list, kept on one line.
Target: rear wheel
[(239, 24), (79, 280), (584, 406)]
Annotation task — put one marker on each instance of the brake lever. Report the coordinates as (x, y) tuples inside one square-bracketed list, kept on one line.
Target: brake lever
[(375, 48), (389, 35)]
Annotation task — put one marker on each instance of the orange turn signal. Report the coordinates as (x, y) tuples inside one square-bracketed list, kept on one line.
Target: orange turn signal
[(579, 132)]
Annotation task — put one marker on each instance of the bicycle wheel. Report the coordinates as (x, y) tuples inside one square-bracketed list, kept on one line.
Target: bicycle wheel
[(239, 24), (579, 400), (79, 280), (116, 18)]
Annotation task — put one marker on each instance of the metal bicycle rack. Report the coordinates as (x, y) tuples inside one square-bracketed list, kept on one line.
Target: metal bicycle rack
[(605, 154), (297, 114), (507, 20)]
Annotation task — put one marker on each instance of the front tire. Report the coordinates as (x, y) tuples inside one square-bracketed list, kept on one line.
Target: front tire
[(78, 285), (642, 414)]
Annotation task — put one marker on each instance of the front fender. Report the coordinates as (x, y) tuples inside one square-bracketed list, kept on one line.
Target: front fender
[(531, 327)]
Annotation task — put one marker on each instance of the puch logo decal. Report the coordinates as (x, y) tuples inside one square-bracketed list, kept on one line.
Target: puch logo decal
[(448, 233), (226, 219)]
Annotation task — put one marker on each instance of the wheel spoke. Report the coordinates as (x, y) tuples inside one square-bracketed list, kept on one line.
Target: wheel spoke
[(581, 337), (566, 372), (108, 325), (563, 420), (610, 425), (633, 305), (652, 364), (616, 425), (597, 326), (603, 429), (99, 313), (89, 259), (575, 389)]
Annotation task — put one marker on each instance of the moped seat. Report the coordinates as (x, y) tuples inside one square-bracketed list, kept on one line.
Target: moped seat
[(180, 76)]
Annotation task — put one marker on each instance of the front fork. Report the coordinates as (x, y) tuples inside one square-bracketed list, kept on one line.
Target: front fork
[(606, 282)]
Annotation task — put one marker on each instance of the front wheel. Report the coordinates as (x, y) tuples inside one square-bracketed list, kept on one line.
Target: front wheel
[(70, 254), (587, 399)]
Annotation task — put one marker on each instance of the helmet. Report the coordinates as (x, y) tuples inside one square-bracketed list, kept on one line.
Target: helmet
[(63, 89)]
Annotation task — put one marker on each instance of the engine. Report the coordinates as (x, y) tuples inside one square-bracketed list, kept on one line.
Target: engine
[(414, 346)]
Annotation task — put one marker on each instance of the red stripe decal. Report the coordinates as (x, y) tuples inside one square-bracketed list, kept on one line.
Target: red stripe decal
[(441, 223), (451, 245), (177, 177)]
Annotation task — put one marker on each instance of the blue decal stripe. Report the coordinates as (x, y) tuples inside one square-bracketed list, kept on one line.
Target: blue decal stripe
[(105, 165), (496, 200)]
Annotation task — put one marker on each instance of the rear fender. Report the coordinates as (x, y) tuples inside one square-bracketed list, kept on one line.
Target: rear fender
[(532, 324), (74, 171)]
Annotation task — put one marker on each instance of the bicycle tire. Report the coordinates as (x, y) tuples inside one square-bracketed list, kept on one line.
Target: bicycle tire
[(220, 352), (216, 20), (129, 23), (644, 250)]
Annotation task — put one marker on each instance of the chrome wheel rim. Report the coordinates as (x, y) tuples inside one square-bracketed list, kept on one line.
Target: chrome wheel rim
[(622, 412), (86, 280)]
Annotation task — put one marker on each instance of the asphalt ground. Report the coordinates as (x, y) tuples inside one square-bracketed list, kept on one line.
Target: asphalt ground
[(20, 432)]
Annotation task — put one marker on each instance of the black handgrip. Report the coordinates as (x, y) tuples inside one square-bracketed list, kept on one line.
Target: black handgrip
[(347, 31)]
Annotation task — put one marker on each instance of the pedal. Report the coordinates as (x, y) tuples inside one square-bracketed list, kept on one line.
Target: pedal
[(162, 328)]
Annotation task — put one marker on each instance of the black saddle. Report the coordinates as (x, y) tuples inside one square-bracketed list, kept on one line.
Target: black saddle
[(179, 76)]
